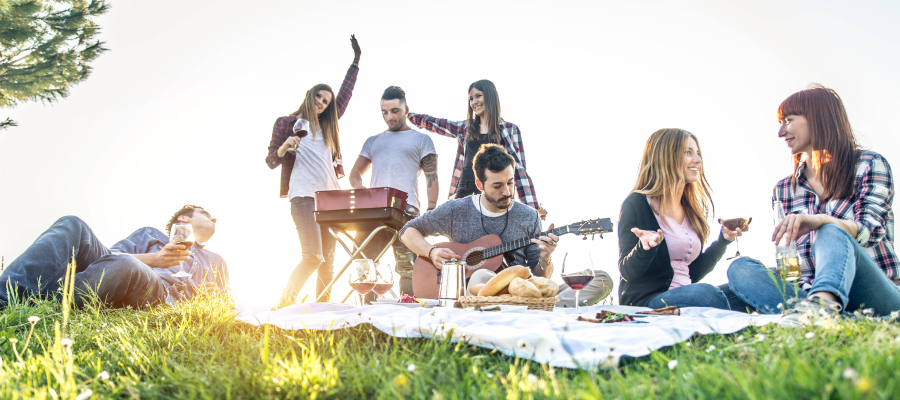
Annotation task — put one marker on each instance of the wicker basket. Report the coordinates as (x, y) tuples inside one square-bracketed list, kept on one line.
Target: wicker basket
[(545, 304)]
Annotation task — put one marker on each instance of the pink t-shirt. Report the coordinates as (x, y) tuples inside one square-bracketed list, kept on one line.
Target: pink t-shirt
[(684, 246)]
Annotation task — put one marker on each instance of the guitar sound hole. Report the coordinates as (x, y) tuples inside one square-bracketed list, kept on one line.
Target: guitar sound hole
[(474, 257)]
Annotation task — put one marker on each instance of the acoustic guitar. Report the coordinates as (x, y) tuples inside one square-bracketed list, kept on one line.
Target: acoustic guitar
[(487, 253)]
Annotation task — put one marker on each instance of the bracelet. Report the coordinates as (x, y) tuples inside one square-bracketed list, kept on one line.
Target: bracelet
[(432, 249)]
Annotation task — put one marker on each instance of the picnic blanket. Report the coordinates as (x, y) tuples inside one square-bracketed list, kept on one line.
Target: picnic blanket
[(554, 338)]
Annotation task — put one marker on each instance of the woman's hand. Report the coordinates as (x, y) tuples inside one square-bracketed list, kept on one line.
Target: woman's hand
[(356, 50), (648, 239), (290, 143), (795, 225), (731, 235)]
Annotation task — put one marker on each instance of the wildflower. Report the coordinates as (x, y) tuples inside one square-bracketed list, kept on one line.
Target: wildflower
[(849, 373), (103, 375), (66, 342), (85, 394), (401, 380), (810, 335), (780, 306), (895, 314), (34, 319), (739, 338), (411, 367), (13, 340), (274, 380), (103, 326), (760, 338), (864, 384), (673, 364), (687, 344), (489, 375), (711, 348)]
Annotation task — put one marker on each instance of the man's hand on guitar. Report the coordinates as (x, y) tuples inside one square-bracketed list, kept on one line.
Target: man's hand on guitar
[(440, 254), (547, 244)]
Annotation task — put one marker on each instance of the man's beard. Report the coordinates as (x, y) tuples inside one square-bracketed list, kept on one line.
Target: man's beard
[(496, 202)]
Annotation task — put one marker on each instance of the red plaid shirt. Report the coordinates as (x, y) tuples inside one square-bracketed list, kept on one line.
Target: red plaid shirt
[(512, 141), (869, 207), (284, 128)]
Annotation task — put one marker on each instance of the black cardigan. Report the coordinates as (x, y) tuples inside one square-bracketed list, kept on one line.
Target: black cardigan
[(646, 273)]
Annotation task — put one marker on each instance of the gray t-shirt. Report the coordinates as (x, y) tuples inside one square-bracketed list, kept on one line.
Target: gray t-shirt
[(461, 221), (396, 159)]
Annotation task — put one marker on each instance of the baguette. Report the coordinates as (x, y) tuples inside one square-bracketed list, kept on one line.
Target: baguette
[(502, 280), (522, 288)]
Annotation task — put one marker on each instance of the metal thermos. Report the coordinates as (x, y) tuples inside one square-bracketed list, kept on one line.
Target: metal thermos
[(453, 283)]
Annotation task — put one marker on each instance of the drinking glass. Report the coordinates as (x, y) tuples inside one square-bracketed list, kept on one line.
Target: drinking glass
[(787, 263), (362, 277), (182, 234), (732, 224), (384, 280), (576, 281)]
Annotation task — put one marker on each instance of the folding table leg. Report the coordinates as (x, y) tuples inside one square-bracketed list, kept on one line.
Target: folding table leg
[(353, 254)]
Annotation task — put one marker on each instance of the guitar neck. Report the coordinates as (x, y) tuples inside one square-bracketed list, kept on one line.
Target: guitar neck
[(522, 242)]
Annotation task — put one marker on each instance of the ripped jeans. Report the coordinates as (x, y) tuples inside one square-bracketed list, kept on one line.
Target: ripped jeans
[(317, 250)]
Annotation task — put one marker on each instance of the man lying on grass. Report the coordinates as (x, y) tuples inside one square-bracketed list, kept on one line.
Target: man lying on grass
[(139, 270)]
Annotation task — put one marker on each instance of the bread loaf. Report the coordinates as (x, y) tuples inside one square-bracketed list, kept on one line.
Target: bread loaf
[(502, 279), (522, 288), (474, 289), (547, 287)]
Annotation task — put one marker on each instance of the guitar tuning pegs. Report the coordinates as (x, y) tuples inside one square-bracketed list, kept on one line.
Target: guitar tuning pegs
[(601, 235), (584, 238)]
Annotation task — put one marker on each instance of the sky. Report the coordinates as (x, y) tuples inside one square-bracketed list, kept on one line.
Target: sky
[(180, 109)]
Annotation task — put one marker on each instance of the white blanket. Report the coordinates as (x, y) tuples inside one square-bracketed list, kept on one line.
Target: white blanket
[(554, 338)]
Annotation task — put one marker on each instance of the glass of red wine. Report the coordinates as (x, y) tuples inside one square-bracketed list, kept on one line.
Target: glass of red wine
[(182, 234), (576, 280), (384, 280), (362, 277), (732, 224)]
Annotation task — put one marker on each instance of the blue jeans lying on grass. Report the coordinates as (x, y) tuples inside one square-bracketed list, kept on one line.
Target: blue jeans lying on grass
[(842, 269), (118, 279)]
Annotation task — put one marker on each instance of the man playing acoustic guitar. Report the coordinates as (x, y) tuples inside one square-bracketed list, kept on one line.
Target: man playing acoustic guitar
[(492, 213)]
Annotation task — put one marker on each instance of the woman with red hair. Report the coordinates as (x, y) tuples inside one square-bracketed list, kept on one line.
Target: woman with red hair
[(837, 204)]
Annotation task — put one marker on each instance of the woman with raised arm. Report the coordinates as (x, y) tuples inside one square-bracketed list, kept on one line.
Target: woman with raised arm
[(307, 146), (837, 205), (483, 125), (662, 228)]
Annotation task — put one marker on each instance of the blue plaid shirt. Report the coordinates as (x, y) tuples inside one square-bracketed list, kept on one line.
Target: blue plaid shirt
[(869, 207), (204, 265)]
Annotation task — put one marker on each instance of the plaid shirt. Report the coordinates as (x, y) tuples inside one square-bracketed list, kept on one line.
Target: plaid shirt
[(869, 207), (284, 128), (512, 141)]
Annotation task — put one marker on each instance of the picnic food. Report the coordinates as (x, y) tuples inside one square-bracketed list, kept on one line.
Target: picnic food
[(670, 310), (408, 299), (502, 280), (473, 289), (523, 288), (547, 287), (606, 317)]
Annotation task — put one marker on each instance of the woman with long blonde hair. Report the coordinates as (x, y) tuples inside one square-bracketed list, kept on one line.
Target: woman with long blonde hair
[(837, 202), (307, 145), (662, 228)]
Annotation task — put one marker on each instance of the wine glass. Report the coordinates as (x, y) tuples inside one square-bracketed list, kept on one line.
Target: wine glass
[(362, 277), (182, 234), (384, 280), (732, 224), (576, 280)]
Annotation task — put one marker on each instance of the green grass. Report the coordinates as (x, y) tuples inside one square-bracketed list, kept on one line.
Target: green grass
[(197, 350)]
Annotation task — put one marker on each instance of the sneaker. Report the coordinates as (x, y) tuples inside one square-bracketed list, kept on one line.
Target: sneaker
[(804, 311)]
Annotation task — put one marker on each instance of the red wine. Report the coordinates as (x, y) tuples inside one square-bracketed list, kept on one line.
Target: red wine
[(382, 288), (187, 244), (577, 282), (362, 287)]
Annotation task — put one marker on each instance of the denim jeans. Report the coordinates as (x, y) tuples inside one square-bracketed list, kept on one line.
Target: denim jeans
[(118, 279), (693, 295), (842, 269), (317, 251), (403, 256)]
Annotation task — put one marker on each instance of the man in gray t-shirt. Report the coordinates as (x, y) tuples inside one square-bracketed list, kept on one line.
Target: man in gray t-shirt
[(396, 157)]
